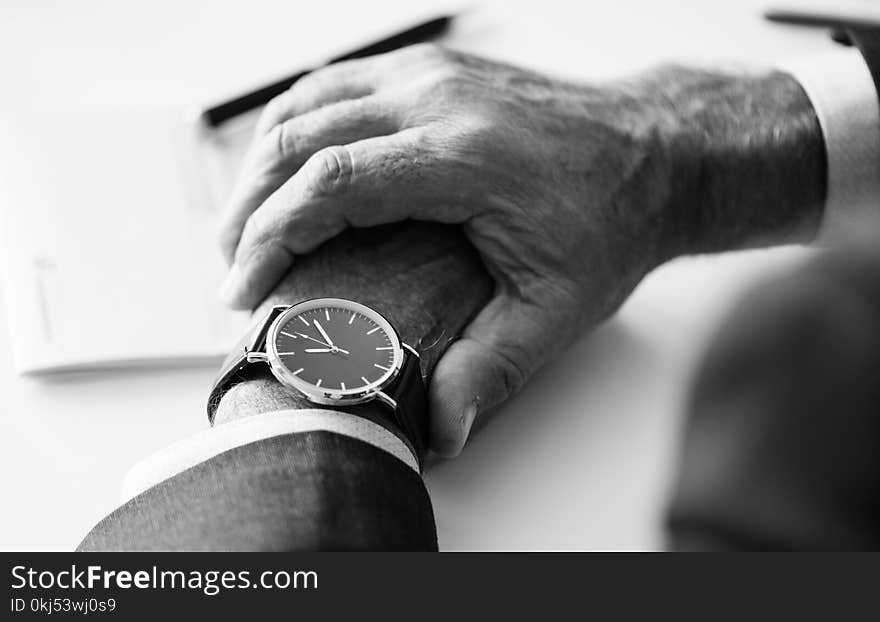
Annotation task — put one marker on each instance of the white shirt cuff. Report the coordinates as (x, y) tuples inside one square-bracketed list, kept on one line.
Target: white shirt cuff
[(843, 94), (214, 441)]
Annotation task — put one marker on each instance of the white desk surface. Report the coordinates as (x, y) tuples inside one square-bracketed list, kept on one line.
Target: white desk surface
[(580, 460)]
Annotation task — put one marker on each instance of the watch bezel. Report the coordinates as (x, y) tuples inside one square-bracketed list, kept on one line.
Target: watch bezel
[(325, 395)]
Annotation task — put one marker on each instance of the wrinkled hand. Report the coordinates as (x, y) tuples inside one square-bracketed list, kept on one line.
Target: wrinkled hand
[(557, 185)]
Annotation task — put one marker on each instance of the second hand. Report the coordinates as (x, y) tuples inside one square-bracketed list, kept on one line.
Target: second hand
[(323, 343)]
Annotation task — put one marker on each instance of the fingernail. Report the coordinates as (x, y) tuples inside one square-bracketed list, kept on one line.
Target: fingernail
[(468, 416), (228, 293)]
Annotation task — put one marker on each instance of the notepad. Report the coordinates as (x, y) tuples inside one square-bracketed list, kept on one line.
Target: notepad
[(109, 238)]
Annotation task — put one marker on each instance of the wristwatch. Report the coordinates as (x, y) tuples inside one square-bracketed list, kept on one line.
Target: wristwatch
[(335, 352)]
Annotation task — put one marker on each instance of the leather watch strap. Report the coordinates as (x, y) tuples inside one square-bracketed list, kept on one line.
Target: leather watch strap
[(412, 403), (407, 391), (235, 368)]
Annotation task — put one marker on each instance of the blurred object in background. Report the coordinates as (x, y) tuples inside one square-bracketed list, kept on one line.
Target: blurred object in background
[(782, 444)]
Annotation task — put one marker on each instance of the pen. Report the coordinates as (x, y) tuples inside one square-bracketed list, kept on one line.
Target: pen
[(217, 115), (863, 16)]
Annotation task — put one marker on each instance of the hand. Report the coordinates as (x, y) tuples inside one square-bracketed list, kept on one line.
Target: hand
[(570, 193), (532, 167)]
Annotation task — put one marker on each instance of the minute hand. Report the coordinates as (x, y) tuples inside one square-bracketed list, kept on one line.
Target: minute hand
[(324, 333)]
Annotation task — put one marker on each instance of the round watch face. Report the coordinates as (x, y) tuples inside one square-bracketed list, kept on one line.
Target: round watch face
[(333, 350)]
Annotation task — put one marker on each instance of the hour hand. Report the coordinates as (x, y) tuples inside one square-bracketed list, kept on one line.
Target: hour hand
[(332, 350)]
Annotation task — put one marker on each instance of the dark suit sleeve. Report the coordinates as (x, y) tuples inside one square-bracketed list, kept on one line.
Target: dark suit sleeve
[(782, 443), (297, 492)]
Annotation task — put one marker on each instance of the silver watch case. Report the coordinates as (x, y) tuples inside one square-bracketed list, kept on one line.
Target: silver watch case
[(327, 396)]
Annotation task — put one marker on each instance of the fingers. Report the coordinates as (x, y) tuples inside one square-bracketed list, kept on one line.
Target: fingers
[(367, 183), (351, 79), (274, 261), (500, 349), (336, 105), (347, 80), (279, 154)]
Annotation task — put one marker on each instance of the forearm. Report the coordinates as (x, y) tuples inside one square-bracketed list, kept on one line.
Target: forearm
[(746, 159)]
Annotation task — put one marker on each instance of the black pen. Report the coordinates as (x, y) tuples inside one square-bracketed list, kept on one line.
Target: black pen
[(217, 115), (824, 16)]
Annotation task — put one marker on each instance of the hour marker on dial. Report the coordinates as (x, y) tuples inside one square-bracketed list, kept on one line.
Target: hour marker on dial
[(380, 367), (370, 332), (352, 318), (385, 348), (298, 371), (304, 320)]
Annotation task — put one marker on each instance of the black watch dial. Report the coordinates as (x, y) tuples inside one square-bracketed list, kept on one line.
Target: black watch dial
[(334, 346)]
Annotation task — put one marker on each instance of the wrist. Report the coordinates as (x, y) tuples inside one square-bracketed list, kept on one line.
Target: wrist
[(258, 391), (257, 396), (746, 155), (266, 394)]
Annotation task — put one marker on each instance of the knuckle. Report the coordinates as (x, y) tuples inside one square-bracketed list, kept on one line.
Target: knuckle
[(426, 51), (329, 171), (249, 236), (444, 86), (470, 144), (255, 232), (421, 147), (447, 77), (307, 83), (255, 246), (309, 86), (421, 58), (271, 148), (511, 374), (271, 115), (228, 234), (287, 140)]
